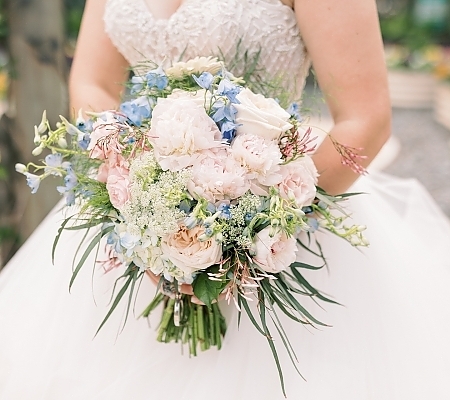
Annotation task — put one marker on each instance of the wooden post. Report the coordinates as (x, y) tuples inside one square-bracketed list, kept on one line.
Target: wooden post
[(38, 83)]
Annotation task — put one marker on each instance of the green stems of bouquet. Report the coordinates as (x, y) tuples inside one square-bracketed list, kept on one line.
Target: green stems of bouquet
[(200, 326)]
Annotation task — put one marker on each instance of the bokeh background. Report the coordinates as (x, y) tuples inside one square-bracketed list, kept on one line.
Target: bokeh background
[(37, 41)]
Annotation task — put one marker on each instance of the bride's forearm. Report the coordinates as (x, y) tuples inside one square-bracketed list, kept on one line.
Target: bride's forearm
[(92, 98), (335, 177)]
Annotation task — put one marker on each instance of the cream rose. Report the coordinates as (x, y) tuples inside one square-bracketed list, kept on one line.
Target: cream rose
[(180, 130), (274, 253), (259, 115), (202, 97), (195, 66), (299, 181), (186, 252)]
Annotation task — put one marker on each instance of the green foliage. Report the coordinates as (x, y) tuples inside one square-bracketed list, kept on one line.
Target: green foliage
[(74, 11), (401, 29)]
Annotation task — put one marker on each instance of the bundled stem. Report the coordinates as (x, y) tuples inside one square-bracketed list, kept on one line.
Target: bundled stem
[(201, 326)]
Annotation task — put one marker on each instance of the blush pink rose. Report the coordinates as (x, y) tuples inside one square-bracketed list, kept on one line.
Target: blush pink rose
[(187, 252), (118, 185), (299, 181), (274, 253)]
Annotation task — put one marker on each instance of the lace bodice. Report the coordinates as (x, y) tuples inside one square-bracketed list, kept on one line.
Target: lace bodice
[(238, 31)]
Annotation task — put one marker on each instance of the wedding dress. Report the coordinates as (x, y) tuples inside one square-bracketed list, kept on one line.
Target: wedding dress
[(388, 340)]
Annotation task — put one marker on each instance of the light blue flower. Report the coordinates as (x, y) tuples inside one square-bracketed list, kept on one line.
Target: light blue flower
[(190, 222), (228, 130), (157, 78), (138, 84), (72, 130), (84, 142), (249, 217), (70, 181), (211, 208), (224, 111), (205, 80), (229, 89), (294, 111), (53, 164), (136, 110), (129, 241), (313, 224), (225, 211), (33, 181)]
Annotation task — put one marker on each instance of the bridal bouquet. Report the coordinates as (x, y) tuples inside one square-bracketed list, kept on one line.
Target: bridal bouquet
[(198, 180)]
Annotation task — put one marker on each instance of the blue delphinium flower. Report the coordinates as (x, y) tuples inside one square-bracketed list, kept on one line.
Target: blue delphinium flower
[(205, 80), (313, 224), (224, 111), (157, 78), (294, 111), (229, 89), (85, 127), (136, 110), (138, 84), (70, 181), (224, 116), (53, 162), (33, 181), (228, 130), (225, 211)]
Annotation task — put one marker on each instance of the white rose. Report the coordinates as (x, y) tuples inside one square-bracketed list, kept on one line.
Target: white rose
[(180, 130), (186, 252), (274, 254), (259, 115), (299, 181), (195, 66), (217, 176)]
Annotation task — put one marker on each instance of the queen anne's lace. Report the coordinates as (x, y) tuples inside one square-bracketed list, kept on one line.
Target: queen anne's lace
[(213, 27)]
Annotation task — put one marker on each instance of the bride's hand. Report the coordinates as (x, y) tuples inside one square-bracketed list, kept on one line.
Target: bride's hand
[(184, 288)]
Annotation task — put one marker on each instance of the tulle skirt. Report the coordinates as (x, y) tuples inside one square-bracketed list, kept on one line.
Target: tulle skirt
[(388, 340)]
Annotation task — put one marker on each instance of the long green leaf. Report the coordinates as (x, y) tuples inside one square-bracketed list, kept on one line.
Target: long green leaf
[(305, 266), (297, 306), (88, 250), (250, 315), (116, 302), (262, 314), (313, 290), (58, 236)]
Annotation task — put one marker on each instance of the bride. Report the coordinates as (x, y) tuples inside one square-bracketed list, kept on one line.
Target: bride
[(389, 340)]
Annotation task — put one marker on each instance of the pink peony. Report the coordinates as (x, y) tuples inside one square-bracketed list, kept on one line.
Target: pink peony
[(274, 253), (217, 176), (180, 131), (299, 181), (260, 157)]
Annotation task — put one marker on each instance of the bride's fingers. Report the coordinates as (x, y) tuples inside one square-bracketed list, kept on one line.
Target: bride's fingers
[(196, 300), (186, 289)]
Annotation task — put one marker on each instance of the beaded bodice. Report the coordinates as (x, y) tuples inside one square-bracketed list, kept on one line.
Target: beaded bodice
[(261, 35)]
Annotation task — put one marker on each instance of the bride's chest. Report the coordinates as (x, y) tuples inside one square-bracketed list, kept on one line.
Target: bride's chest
[(231, 29)]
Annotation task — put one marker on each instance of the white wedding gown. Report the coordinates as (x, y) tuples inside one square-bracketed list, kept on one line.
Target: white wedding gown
[(389, 340)]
